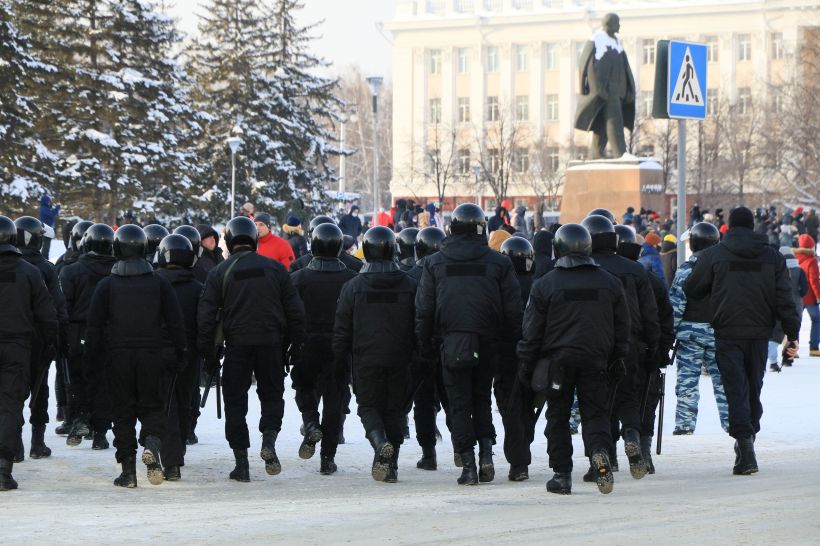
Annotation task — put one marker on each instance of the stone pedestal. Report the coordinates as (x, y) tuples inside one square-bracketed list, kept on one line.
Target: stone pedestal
[(613, 184)]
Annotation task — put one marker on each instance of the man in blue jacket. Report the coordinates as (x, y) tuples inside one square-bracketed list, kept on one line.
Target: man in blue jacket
[(48, 215)]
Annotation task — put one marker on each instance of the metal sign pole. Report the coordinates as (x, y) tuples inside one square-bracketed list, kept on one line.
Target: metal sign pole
[(683, 218)]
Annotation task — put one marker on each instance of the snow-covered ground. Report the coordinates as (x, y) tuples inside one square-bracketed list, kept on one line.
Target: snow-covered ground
[(692, 499)]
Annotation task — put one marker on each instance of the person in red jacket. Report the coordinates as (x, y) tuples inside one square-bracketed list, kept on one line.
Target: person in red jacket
[(808, 263), (270, 245)]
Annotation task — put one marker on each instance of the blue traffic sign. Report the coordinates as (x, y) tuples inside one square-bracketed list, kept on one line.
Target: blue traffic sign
[(686, 89)]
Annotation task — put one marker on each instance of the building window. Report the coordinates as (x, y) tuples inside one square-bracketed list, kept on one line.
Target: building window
[(553, 158), (493, 160), (711, 101), (522, 108), (435, 110), (463, 60), (744, 47), (435, 7), (493, 111), (551, 104), (646, 103), (521, 58), (647, 150), (493, 5), (552, 3), (521, 160), (464, 110), (522, 4), (464, 161), (492, 59), (648, 51), (435, 61), (711, 48), (464, 6), (744, 100), (551, 57), (777, 45)]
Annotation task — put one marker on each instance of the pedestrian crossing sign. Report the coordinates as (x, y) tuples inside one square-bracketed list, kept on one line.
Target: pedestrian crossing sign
[(686, 98)]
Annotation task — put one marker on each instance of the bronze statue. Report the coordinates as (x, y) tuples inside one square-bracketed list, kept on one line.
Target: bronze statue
[(607, 102)]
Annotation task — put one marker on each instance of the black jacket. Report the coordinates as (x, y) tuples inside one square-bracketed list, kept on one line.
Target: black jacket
[(261, 305), (320, 285), (665, 314), (26, 307), (643, 311), (129, 310), (542, 245), (187, 289), (49, 273), (498, 220), (79, 280), (748, 287), (351, 262), (70, 257), (374, 318), (525, 281), (577, 310), (210, 259), (468, 287)]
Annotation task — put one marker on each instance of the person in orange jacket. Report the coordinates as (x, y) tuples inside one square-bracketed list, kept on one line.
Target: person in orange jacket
[(808, 263), (270, 245)]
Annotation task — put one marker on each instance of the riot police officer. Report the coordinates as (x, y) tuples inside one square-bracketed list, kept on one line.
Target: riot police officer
[(350, 262), (253, 301), (374, 326), (193, 236), (155, 234), (470, 299), (406, 239), (314, 374), (129, 311), (27, 313), (74, 250)]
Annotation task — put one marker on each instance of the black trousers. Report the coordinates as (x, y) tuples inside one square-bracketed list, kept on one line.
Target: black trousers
[(627, 411), (196, 397), (38, 372), (591, 384), (380, 394), (14, 388), (427, 400), (242, 363), (179, 409), (519, 429), (469, 394), (742, 363), (60, 387), (314, 380), (139, 381), (649, 388)]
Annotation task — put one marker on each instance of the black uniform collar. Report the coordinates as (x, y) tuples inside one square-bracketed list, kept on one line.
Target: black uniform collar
[(9, 249), (380, 266), (132, 268), (326, 264), (572, 261)]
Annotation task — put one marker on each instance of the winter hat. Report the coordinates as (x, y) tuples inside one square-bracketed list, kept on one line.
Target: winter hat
[(498, 237), (206, 231), (741, 217), (293, 221), (668, 246), (354, 208), (670, 238), (652, 238), (264, 218)]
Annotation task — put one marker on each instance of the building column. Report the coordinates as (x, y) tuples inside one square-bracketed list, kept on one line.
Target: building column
[(448, 86), (727, 46), (537, 53)]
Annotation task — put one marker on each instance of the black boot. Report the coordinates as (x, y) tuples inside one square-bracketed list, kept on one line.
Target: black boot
[(63, 428), (486, 470), (60, 413), (646, 451), (191, 439), (241, 471), (7, 482), (393, 472), (128, 477), (406, 427), (632, 447), (172, 473), (39, 449), (382, 455), (518, 473), (613, 457), (561, 483), (428, 458), (20, 452), (312, 436), (342, 429), (746, 462), (151, 459), (469, 473), (268, 452), (592, 475), (79, 429), (599, 463), (100, 441), (327, 465), (457, 460)]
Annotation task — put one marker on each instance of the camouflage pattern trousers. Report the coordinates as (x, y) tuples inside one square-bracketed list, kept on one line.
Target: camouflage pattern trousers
[(696, 350)]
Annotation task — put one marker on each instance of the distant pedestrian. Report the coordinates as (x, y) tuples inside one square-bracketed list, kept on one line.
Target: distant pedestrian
[(49, 212)]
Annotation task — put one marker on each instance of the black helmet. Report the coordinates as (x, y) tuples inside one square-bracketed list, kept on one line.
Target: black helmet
[(176, 249), (602, 232), (99, 239), (628, 246), (241, 231), (30, 232), (130, 242), (8, 236), (349, 242), (468, 218), (703, 235), (379, 243), (191, 233), (572, 239), (155, 233), (605, 213), (326, 241), (429, 241), (318, 221), (407, 242), (625, 234), (520, 252), (77, 232)]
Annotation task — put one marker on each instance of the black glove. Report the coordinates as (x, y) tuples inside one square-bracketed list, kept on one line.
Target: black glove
[(211, 364), (525, 370), (663, 359), (616, 371), (64, 346), (293, 357), (176, 365)]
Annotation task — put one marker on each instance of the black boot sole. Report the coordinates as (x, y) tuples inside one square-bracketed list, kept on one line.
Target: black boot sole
[(155, 474), (559, 490), (43, 452), (272, 464), (637, 466), (472, 480), (381, 467), (604, 478), (237, 478), (127, 482)]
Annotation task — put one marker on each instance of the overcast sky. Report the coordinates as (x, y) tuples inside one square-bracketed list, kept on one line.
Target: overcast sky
[(349, 34)]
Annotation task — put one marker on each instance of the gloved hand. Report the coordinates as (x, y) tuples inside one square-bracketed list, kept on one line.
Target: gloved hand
[(294, 356), (64, 346), (663, 359), (211, 365), (525, 371), (176, 365), (616, 371)]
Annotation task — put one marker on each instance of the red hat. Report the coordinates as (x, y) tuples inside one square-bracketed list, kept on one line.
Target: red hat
[(652, 238), (506, 204), (724, 228)]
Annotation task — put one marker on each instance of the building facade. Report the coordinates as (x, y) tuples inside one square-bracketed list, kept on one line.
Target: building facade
[(485, 91)]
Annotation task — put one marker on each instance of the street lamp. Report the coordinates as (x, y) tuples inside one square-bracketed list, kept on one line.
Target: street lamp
[(233, 142), (375, 83)]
